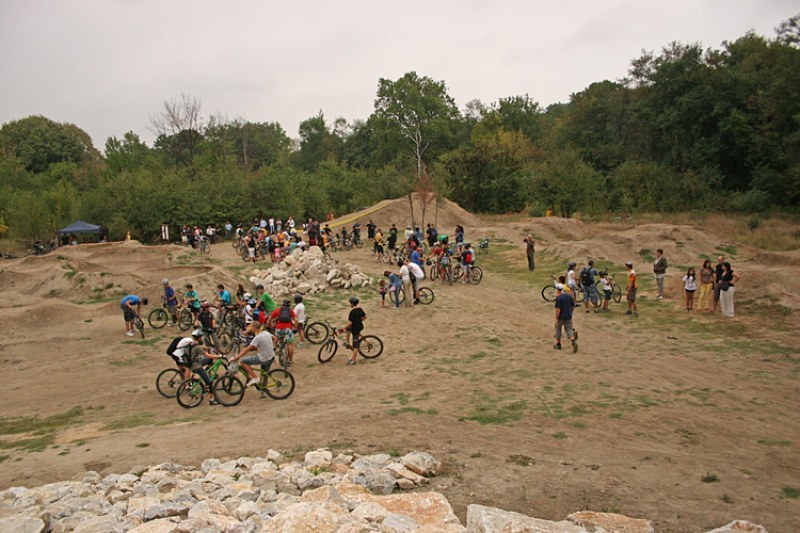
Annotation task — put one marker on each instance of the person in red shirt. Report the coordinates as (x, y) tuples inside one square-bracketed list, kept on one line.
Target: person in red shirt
[(284, 320)]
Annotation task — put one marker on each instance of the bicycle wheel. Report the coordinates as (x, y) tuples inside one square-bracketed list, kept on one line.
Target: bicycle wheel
[(206, 249), (157, 318), (425, 295), (316, 332), (578, 295), (549, 293), (398, 297), (327, 351), (475, 275), (616, 293), (434, 272), (283, 356), (456, 273), (139, 325), (228, 390), (370, 346), (191, 393), (185, 319), (168, 381), (359, 243), (279, 384), (347, 244)]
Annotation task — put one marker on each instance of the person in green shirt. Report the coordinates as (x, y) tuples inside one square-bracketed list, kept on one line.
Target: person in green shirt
[(266, 299)]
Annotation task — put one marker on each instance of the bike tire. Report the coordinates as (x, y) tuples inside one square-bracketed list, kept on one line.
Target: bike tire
[(475, 275), (245, 255), (327, 351), (359, 243), (347, 244), (549, 293), (206, 249), (578, 295), (139, 325), (434, 272), (425, 295), (283, 356), (370, 346), (316, 332), (616, 293), (185, 319), (456, 272), (158, 318), (191, 393), (228, 390), (168, 381), (280, 384)]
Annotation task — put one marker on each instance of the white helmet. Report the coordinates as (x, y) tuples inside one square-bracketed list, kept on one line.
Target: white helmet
[(197, 333), (165, 281), (246, 296)]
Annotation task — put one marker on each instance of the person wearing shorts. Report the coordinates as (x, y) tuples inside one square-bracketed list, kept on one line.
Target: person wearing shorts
[(354, 327), (284, 320), (171, 301), (130, 305), (264, 345), (630, 290), (605, 284), (300, 311), (564, 305), (182, 353)]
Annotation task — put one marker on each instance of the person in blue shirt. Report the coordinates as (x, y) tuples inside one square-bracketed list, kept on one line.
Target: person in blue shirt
[(564, 304), (131, 304), (170, 300), (416, 257), (223, 296), (396, 284)]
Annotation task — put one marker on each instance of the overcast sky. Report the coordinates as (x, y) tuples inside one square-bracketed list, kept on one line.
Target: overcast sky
[(108, 65)]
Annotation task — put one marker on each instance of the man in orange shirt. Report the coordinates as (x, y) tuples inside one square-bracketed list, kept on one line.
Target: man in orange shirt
[(630, 290)]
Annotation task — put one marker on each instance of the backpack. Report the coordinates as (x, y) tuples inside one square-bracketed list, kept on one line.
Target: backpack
[(173, 345), (586, 278), (468, 258), (285, 315)]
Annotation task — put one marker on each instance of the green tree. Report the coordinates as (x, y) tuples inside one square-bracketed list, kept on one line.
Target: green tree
[(40, 142)]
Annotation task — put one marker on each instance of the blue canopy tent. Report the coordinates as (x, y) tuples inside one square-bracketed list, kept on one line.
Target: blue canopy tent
[(80, 227)]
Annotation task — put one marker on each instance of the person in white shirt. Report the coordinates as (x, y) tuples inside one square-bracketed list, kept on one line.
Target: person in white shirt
[(405, 275), (264, 346), (300, 311), (418, 274), (689, 286)]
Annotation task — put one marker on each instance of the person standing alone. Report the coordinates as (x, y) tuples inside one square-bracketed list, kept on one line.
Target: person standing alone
[(660, 270), (529, 251)]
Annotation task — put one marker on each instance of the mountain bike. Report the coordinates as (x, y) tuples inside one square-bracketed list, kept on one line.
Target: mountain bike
[(425, 296), (549, 292), (474, 274), (168, 381), (277, 383), (483, 246), (138, 325), (159, 317), (185, 319), (369, 347), (227, 389), (317, 332)]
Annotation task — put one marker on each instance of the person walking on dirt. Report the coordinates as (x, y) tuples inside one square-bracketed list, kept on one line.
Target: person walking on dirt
[(564, 305), (630, 290), (530, 248), (660, 271)]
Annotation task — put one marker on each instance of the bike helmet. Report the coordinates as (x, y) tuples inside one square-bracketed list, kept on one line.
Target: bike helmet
[(298, 298), (198, 333), (353, 300), (286, 303), (259, 286), (572, 264), (144, 301), (251, 301), (246, 296), (165, 281), (468, 245), (204, 304)]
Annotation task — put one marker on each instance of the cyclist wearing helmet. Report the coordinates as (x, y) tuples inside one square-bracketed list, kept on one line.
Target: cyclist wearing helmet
[(355, 325), (249, 309), (170, 300), (131, 306), (284, 320), (208, 324), (300, 311)]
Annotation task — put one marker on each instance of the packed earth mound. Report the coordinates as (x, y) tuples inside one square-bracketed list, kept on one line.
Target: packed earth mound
[(309, 272), (437, 210), (323, 493)]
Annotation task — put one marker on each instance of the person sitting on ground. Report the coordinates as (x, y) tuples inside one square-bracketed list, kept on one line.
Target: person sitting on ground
[(170, 300), (284, 320), (354, 327), (263, 344), (131, 306)]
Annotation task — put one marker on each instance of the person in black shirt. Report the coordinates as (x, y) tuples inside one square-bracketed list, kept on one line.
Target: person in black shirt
[(371, 230), (355, 325), (717, 280)]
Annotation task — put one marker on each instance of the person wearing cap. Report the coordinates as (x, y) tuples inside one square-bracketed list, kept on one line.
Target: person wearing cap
[(131, 305), (198, 357), (630, 290), (564, 305), (170, 300)]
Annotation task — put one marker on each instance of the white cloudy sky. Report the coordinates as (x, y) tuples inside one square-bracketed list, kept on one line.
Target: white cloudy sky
[(107, 65)]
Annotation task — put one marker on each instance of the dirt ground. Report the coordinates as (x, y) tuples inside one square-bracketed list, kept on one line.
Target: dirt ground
[(687, 419)]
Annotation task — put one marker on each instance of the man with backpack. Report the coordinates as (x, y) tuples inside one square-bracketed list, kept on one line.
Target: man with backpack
[(564, 304), (285, 321), (587, 280)]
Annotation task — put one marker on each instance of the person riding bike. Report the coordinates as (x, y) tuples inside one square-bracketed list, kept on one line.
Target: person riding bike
[(170, 300), (263, 344), (131, 306), (200, 357), (284, 320), (208, 324)]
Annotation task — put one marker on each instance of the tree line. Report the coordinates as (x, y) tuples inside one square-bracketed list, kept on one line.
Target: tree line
[(687, 128)]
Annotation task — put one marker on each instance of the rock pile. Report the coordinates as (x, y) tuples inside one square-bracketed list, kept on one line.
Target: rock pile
[(309, 272), (323, 493)]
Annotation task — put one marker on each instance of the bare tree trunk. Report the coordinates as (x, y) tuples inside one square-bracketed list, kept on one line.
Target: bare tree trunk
[(411, 206), (436, 213)]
